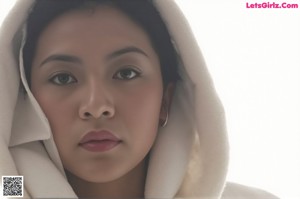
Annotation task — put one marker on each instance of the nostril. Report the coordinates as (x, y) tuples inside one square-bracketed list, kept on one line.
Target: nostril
[(94, 114), (106, 113), (87, 114)]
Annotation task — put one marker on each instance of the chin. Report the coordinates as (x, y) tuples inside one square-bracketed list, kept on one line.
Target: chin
[(99, 177)]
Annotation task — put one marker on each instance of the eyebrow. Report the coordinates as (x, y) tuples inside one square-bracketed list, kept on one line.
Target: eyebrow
[(61, 57), (74, 59), (130, 49)]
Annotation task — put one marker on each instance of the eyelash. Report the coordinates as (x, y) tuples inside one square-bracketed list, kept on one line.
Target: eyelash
[(55, 79), (137, 74), (71, 79)]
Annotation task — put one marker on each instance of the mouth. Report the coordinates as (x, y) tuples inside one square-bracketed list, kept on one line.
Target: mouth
[(99, 141)]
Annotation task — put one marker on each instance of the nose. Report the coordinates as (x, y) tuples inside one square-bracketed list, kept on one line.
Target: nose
[(96, 103)]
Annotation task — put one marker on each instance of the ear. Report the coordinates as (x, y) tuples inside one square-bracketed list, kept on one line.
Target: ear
[(166, 101)]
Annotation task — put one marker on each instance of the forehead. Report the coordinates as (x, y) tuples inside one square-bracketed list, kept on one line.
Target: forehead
[(103, 25), (101, 15)]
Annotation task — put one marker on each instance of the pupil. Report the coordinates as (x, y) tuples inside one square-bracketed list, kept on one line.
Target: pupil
[(126, 73), (63, 78)]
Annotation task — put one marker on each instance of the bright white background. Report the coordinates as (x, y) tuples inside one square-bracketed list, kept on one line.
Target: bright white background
[(254, 58)]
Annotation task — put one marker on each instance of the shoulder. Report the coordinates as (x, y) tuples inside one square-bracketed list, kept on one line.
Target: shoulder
[(237, 191)]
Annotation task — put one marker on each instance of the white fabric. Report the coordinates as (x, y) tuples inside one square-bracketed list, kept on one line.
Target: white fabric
[(27, 147)]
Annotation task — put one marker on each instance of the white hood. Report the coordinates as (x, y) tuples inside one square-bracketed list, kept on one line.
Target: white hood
[(178, 167)]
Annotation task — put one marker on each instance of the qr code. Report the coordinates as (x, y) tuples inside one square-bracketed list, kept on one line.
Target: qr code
[(12, 186)]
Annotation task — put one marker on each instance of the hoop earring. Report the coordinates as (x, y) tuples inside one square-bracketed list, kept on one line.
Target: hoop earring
[(166, 121)]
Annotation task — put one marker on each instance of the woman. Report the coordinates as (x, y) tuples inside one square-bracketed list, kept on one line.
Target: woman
[(117, 103)]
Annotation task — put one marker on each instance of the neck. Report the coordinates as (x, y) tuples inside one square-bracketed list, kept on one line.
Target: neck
[(131, 185)]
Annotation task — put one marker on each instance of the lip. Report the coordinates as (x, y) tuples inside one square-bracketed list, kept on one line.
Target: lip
[(99, 141)]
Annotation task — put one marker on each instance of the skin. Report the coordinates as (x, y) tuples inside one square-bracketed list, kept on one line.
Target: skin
[(97, 86)]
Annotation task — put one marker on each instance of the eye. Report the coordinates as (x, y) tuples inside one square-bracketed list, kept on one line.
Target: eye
[(127, 74), (63, 79)]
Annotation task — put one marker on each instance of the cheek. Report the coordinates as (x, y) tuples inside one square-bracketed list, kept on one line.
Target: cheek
[(141, 110), (59, 112)]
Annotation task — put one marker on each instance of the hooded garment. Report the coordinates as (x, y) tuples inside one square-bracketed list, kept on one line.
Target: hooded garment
[(189, 158)]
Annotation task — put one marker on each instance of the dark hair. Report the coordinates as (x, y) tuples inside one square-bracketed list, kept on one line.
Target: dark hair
[(142, 12)]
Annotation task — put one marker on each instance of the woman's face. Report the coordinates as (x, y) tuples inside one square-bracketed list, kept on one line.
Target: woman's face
[(98, 80)]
